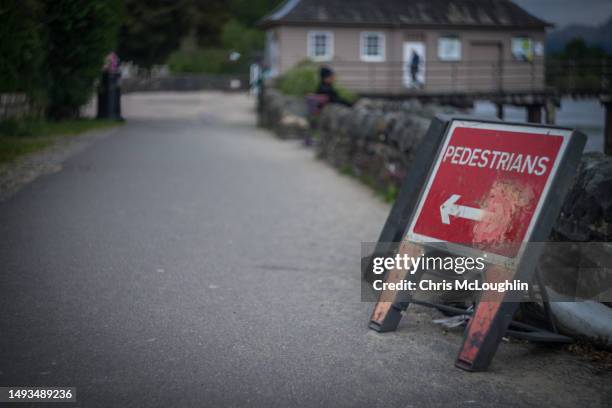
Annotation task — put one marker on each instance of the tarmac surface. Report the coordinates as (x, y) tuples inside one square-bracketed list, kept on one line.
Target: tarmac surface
[(190, 259)]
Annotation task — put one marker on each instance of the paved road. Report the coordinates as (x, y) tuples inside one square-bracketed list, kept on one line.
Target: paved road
[(188, 259)]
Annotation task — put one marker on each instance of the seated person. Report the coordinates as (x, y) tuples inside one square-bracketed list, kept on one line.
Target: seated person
[(326, 87)]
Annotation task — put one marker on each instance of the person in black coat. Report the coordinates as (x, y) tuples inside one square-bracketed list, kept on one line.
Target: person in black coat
[(326, 87)]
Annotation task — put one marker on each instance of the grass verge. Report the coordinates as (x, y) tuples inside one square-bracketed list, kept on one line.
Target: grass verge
[(21, 137), (388, 193)]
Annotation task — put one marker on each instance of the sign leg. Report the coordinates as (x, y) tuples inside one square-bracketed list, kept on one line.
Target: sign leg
[(488, 324), (387, 312)]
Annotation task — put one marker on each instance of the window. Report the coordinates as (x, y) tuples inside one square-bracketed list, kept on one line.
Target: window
[(372, 47), (449, 49), (271, 53), (320, 45), (538, 48), (522, 48)]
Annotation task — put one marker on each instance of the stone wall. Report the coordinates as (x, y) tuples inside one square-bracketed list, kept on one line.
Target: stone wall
[(587, 212), (375, 140), (13, 105), (586, 217), (286, 115)]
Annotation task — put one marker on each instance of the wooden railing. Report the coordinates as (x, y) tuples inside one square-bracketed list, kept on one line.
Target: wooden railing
[(466, 77)]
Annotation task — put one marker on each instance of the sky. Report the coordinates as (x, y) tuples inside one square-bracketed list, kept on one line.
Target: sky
[(565, 12)]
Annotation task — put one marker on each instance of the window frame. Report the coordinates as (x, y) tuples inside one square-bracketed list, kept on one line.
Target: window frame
[(382, 46), (450, 37), (329, 54)]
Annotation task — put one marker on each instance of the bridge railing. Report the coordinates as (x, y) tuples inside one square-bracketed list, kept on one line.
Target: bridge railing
[(434, 76), (477, 76)]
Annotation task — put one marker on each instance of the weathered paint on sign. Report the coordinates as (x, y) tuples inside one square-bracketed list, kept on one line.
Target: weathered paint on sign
[(487, 186)]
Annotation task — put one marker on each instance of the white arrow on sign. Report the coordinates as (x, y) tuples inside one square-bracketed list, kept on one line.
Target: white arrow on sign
[(451, 208)]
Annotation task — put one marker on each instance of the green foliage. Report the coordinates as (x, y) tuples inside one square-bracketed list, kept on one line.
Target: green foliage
[(249, 12), (346, 94), (21, 48), (53, 50), (237, 37), (578, 50), (578, 67), (300, 80), (79, 35), (154, 29), (390, 193), (22, 136), (347, 170), (303, 79), (11, 148), (36, 127), (151, 30), (210, 60), (18, 127), (203, 19)]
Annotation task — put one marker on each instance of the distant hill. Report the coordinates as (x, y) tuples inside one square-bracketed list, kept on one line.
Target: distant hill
[(601, 35)]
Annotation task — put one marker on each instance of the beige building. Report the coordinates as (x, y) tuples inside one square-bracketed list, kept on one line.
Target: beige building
[(411, 46)]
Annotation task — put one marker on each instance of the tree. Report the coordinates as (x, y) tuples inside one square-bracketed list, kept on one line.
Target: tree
[(249, 12), (21, 48), (151, 31), (79, 35), (578, 50), (154, 29), (237, 37)]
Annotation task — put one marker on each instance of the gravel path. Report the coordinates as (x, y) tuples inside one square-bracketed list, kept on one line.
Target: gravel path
[(188, 259)]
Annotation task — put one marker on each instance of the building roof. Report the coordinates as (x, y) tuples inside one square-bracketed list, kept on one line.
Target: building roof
[(403, 13)]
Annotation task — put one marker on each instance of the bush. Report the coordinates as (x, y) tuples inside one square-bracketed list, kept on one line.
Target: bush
[(79, 35), (204, 60), (21, 48), (235, 37), (210, 60), (303, 79), (53, 50), (300, 80)]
